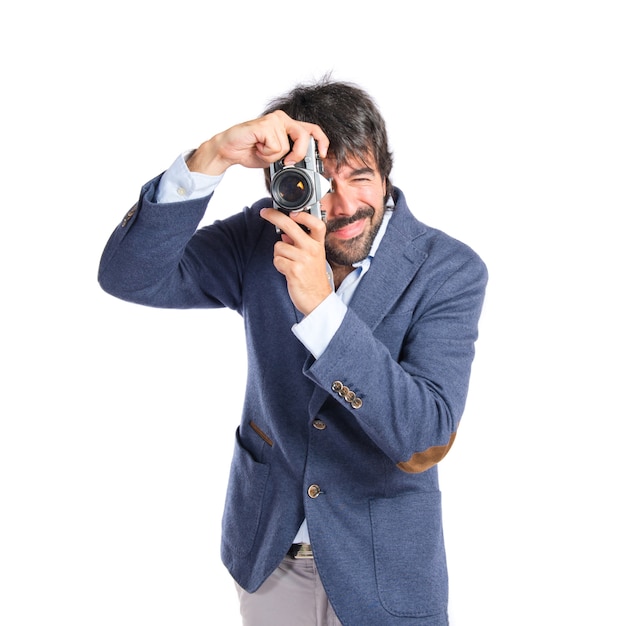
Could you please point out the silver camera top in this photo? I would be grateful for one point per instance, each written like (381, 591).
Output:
(299, 187)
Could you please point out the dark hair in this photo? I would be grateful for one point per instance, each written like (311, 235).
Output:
(347, 114)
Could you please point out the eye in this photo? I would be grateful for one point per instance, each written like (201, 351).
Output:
(362, 176)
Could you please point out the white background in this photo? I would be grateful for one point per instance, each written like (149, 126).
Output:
(508, 127)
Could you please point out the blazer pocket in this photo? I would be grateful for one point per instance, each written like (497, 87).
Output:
(409, 554)
(257, 429)
(244, 499)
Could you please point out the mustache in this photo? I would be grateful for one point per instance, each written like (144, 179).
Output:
(340, 222)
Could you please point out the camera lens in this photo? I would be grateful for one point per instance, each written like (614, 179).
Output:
(291, 189)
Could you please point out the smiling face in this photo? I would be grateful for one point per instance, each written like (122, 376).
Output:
(354, 209)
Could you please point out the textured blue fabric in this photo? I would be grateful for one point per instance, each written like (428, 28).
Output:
(405, 348)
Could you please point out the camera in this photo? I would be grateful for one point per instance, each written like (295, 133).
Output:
(299, 187)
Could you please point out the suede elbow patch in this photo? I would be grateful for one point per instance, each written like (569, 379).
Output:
(422, 461)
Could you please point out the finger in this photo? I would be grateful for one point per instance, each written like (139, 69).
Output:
(322, 140)
(315, 226)
(272, 145)
(291, 229)
(286, 239)
(300, 133)
(279, 219)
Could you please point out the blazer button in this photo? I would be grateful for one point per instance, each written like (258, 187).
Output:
(314, 491)
(319, 424)
(129, 215)
(337, 386)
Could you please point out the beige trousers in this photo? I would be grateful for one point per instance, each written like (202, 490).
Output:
(292, 596)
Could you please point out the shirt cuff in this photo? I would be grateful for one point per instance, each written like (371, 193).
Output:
(178, 183)
(317, 329)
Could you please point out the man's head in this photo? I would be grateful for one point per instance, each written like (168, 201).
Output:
(349, 117)
(358, 161)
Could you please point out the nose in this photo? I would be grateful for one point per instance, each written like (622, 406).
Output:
(338, 202)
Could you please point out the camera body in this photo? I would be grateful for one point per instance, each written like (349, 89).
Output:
(299, 187)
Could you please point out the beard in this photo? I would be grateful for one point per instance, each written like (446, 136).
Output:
(356, 249)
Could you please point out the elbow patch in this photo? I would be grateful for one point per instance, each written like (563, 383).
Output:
(422, 461)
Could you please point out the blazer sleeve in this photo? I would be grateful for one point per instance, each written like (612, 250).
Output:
(157, 256)
(410, 403)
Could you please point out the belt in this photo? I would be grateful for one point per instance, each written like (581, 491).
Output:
(300, 551)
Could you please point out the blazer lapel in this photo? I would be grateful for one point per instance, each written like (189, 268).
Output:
(397, 260)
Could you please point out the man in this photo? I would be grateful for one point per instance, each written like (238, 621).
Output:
(356, 385)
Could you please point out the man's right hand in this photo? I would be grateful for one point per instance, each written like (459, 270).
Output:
(256, 144)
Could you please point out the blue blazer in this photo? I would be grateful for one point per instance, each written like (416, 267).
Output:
(350, 440)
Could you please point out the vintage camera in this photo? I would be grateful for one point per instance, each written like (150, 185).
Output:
(299, 187)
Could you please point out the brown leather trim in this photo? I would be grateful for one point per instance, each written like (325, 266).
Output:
(422, 461)
(261, 434)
